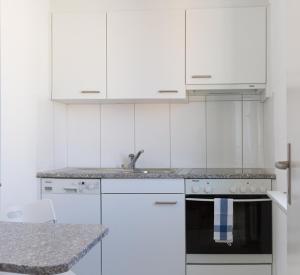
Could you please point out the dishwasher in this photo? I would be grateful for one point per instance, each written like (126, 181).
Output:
(77, 201)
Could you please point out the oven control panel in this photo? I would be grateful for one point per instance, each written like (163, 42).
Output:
(228, 186)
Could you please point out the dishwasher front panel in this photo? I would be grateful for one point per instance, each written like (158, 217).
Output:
(77, 207)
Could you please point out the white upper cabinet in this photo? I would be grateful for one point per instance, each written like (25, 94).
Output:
(226, 46)
(79, 56)
(146, 54)
(158, 54)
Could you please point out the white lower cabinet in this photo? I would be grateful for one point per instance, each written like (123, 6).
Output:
(146, 234)
(229, 269)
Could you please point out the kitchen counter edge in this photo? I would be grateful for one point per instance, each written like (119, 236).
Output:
(79, 173)
(65, 263)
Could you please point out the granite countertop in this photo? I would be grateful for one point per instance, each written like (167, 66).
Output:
(153, 173)
(45, 248)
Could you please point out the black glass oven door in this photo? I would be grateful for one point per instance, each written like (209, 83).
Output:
(252, 226)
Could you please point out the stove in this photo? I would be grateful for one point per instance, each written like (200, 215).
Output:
(252, 226)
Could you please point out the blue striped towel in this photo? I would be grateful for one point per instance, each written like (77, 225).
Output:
(223, 220)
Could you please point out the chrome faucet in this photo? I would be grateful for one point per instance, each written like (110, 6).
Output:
(133, 159)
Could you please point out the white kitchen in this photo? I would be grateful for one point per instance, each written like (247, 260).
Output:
(149, 137)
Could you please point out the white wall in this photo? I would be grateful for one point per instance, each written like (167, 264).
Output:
(269, 158)
(38, 135)
(218, 132)
(24, 92)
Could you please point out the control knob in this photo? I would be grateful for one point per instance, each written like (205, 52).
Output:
(195, 188)
(208, 189)
(263, 189)
(243, 189)
(233, 189)
(90, 186)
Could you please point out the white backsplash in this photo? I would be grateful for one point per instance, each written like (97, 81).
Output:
(83, 135)
(253, 134)
(188, 135)
(117, 134)
(213, 133)
(224, 134)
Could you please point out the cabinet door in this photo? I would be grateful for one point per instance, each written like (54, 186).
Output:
(146, 54)
(146, 235)
(80, 209)
(226, 46)
(229, 269)
(79, 56)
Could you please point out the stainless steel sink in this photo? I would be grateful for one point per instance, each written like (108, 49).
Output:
(149, 171)
(129, 171)
(101, 170)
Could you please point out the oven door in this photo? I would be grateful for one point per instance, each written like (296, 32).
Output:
(252, 230)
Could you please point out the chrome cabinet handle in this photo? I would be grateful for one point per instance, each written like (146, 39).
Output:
(165, 202)
(90, 92)
(74, 190)
(236, 200)
(286, 165)
(202, 76)
(167, 91)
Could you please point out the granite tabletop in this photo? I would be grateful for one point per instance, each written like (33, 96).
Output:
(45, 248)
(154, 173)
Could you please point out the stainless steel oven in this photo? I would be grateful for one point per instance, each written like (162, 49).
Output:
(252, 226)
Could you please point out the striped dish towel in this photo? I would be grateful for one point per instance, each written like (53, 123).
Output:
(223, 220)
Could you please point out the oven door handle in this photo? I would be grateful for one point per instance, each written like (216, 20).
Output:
(235, 200)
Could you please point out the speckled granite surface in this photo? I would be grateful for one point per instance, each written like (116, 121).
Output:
(45, 248)
(152, 173)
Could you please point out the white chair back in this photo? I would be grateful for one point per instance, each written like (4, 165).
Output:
(41, 211)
